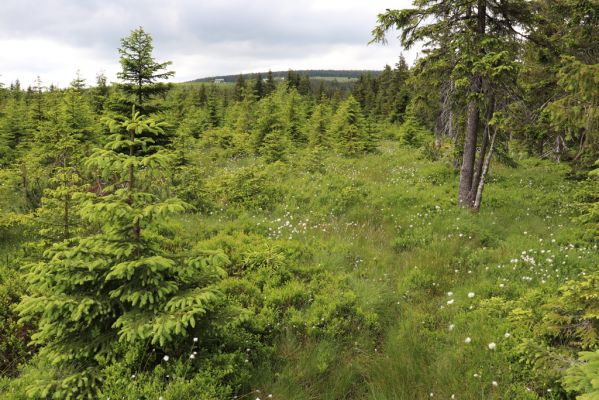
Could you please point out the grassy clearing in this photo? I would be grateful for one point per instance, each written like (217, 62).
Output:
(365, 280)
(389, 222)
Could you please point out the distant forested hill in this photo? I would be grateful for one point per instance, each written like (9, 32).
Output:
(327, 74)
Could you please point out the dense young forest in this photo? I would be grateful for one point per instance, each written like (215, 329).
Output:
(429, 231)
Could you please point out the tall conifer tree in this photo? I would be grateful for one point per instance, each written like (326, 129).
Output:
(141, 73)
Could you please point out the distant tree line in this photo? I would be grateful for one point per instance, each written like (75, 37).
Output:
(312, 73)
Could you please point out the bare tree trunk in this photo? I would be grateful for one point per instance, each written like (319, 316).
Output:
(483, 176)
(450, 129)
(483, 151)
(444, 123)
(467, 169)
(558, 148)
(24, 179)
(438, 131)
(581, 146)
(468, 158)
(479, 165)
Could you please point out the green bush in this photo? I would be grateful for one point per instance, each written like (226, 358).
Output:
(251, 187)
(583, 377)
(14, 336)
(412, 134)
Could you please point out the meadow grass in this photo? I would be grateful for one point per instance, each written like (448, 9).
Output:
(382, 234)
(390, 222)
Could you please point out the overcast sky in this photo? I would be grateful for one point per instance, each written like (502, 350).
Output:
(55, 38)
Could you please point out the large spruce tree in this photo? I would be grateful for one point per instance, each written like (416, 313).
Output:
(474, 37)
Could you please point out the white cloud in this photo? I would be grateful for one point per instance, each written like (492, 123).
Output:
(54, 38)
(54, 62)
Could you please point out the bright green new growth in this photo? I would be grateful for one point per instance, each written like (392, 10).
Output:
(582, 377)
(317, 126)
(119, 283)
(348, 129)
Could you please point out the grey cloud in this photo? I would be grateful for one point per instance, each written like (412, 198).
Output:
(248, 30)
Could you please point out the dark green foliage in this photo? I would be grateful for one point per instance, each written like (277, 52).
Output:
(269, 85)
(582, 376)
(15, 129)
(140, 72)
(118, 284)
(100, 93)
(294, 120)
(318, 126)
(212, 109)
(240, 87)
(412, 133)
(259, 89)
(274, 147)
(269, 121)
(293, 79)
(250, 187)
(14, 336)
(577, 112)
(349, 130)
(587, 204)
(386, 95)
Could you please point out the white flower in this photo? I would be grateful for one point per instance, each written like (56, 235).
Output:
(192, 356)
(450, 294)
(470, 295)
(451, 326)
(467, 340)
(165, 358)
(494, 383)
(195, 339)
(501, 285)
(492, 346)
(507, 335)
(449, 302)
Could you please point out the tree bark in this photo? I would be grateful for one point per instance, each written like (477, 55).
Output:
(479, 165)
(438, 132)
(481, 183)
(558, 148)
(483, 150)
(467, 169)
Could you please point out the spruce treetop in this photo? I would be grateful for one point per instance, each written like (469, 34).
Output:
(140, 71)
